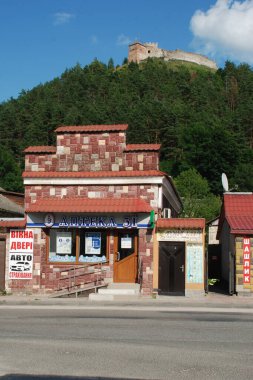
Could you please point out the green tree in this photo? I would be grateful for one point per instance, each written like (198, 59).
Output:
(10, 173)
(198, 201)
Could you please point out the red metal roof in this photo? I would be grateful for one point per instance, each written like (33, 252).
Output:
(13, 223)
(102, 174)
(238, 211)
(192, 223)
(92, 128)
(142, 147)
(40, 149)
(238, 204)
(90, 205)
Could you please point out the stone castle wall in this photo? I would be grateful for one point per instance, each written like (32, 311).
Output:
(139, 52)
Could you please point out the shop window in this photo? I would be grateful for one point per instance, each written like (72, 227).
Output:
(77, 246)
(62, 246)
(93, 246)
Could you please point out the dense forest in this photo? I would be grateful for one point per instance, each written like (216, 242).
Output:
(202, 118)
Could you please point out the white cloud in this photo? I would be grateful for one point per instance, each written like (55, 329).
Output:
(123, 40)
(62, 18)
(225, 30)
(94, 40)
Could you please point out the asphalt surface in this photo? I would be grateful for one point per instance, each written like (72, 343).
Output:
(126, 344)
(207, 302)
(43, 338)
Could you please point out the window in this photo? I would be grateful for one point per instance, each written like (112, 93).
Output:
(93, 246)
(77, 246)
(62, 246)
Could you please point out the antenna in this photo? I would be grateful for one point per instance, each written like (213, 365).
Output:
(224, 181)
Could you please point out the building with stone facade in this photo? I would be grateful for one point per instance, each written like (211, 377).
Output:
(139, 52)
(235, 233)
(100, 212)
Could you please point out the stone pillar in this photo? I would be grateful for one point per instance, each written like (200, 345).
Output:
(146, 261)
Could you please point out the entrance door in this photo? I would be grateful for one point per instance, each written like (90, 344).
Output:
(125, 257)
(2, 263)
(171, 268)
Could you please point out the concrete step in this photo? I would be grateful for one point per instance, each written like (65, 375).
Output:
(100, 297)
(123, 289)
(123, 285)
(113, 297)
(117, 291)
(125, 292)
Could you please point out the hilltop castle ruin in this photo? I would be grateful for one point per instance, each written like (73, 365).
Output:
(140, 51)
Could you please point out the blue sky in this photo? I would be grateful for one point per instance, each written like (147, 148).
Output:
(41, 38)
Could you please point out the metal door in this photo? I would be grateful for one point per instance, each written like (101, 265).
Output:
(171, 268)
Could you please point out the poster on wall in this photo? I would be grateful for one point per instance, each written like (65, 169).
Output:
(21, 254)
(194, 264)
(93, 243)
(63, 243)
(126, 242)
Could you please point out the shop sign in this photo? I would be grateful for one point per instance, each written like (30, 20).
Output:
(71, 220)
(180, 235)
(97, 222)
(21, 254)
(246, 260)
(194, 264)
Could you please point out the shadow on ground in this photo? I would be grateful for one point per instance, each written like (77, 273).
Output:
(219, 288)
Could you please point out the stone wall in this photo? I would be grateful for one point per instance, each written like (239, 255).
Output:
(147, 192)
(146, 261)
(139, 52)
(90, 153)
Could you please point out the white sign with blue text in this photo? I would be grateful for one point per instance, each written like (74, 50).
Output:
(93, 243)
(71, 220)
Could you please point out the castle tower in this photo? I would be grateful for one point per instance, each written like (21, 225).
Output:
(137, 52)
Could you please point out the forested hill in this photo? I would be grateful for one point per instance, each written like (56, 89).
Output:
(204, 119)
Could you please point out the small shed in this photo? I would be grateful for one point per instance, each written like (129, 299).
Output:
(179, 257)
(235, 233)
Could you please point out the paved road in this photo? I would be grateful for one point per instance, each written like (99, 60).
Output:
(64, 343)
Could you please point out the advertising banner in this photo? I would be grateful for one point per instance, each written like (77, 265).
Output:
(21, 254)
(246, 260)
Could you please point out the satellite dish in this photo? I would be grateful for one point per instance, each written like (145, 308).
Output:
(224, 181)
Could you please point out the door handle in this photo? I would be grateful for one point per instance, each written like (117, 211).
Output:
(182, 268)
(118, 256)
